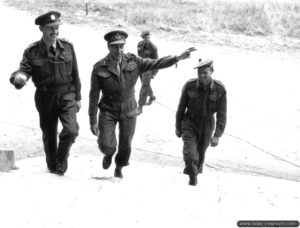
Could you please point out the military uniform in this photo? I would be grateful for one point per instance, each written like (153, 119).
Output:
(146, 50)
(58, 87)
(195, 119)
(117, 100)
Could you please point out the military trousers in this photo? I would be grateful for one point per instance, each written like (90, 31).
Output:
(107, 140)
(53, 107)
(196, 139)
(146, 90)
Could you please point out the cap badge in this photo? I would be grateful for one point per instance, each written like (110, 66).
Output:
(118, 37)
(52, 17)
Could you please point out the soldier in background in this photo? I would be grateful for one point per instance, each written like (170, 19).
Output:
(201, 98)
(146, 49)
(52, 65)
(115, 76)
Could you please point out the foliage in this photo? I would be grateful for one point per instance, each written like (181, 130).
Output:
(260, 18)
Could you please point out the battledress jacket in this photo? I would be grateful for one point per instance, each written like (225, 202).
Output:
(148, 50)
(118, 90)
(199, 106)
(51, 71)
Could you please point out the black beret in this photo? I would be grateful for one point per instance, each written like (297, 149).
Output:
(49, 18)
(145, 33)
(116, 37)
(204, 63)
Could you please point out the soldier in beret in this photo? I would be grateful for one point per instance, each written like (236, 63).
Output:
(146, 49)
(115, 76)
(51, 64)
(201, 98)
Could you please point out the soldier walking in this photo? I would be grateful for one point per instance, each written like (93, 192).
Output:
(115, 76)
(201, 98)
(146, 49)
(52, 65)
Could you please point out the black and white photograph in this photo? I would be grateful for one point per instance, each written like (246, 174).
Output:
(149, 113)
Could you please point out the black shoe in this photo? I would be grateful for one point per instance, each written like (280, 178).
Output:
(118, 172)
(51, 168)
(151, 99)
(61, 168)
(193, 180)
(185, 171)
(200, 170)
(106, 162)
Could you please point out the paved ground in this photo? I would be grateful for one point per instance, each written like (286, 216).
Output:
(148, 196)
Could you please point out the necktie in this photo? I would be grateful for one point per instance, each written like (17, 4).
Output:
(52, 50)
(118, 68)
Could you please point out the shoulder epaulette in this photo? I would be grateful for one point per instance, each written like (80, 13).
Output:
(192, 80)
(101, 62)
(153, 45)
(130, 55)
(32, 45)
(65, 40)
(219, 83)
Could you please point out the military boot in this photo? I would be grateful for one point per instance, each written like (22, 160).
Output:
(106, 162)
(61, 167)
(118, 172)
(193, 180)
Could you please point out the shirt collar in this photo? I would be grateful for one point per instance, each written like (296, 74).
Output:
(211, 86)
(44, 48)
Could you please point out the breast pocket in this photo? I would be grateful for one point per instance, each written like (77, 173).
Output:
(194, 102)
(131, 74)
(107, 81)
(41, 70)
(212, 103)
(193, 95)
(64, 64)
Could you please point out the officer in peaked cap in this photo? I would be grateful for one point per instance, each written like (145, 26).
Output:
(116, 37)
(49, 18)
(52, 65)
(115, 76)
(201, 98)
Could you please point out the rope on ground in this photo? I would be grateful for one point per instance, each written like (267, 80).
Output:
(161, 154)
(230, 135)
(244, 141)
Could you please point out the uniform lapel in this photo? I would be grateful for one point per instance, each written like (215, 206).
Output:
(112, 68)
(123, 63)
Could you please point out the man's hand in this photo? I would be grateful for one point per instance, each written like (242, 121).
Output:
(78, 104)
(214, 141)
(186, 54)
(178, 133)
(19, 80)
(94, 129)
